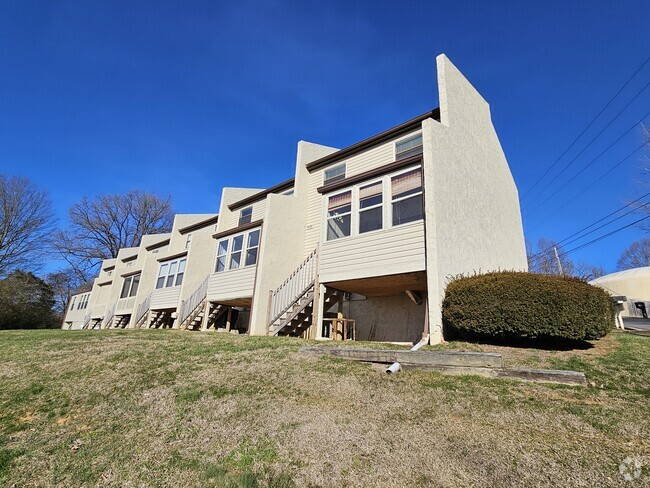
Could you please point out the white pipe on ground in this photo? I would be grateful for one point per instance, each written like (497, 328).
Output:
(395, 367)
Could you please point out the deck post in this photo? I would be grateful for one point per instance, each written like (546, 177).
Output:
(315, 331)
(228, 318)
(206, 315)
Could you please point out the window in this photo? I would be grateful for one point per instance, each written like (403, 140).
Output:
(83, 302)
(408, 147)
(171, 273)
(339, 215)
(331, 175)
(238, 251)
(370, 207)
(130, 286)
(245, 216)
(251, 247)
(188, 241)
(72, 303)
(406, 191)
(235, 253)
(222, 255)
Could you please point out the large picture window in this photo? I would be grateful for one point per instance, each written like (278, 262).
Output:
(130, 286)
(406, 191)
(339, 215)
(171, 273)
(394, 199)
(238, 251)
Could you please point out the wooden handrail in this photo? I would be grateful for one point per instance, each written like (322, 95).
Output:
(298, 282)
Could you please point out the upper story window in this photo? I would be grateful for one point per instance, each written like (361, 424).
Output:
(238, 251)
(130, 286)
(408, 147)
(392, 200)
(339, 215)
(245, 216)
(72, 303)
(334, 174)
(188, 241)
(406, 191)
(171, 273)
(83, 302)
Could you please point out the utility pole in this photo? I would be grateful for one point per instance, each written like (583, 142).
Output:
(559, 263)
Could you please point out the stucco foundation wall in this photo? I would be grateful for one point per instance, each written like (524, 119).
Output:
(395, 319)
(473, 220)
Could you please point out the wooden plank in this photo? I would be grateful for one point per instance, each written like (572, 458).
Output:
(411, 358)
(543, 375)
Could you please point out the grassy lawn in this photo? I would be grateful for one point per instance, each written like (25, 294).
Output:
(161, 408)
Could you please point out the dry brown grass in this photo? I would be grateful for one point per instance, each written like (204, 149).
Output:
(167, 408)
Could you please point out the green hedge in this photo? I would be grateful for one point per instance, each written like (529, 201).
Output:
(525, 305)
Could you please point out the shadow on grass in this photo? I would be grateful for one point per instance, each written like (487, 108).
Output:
(541, 343)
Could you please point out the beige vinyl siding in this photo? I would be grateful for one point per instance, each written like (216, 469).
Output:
(165, 298)
(391, 251)
(229, 285)
(360, 163)
(125, 305)
(231, 220)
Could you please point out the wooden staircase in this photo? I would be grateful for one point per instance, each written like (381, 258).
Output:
(292, 303)
(143, 313)
(195, 320)
(121, 322)
(161, 319)
(108, 320)
(300, 316)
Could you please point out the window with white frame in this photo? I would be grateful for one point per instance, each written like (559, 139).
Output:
(188, 241)
(371, 214)
(72, 303)
(238, 251)
(393, 200)
(245, 216)
(408, 147)
(130, 286)
(406, 194)
(339, 215)
(332, 175)
(171, 273)
(83, 302)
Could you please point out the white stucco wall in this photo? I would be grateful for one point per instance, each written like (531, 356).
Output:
(472, 215)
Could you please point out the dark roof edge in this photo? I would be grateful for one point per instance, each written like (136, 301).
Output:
(285, 185)
(156, 245)
(396, 131)
(130, 258)
(380, 171)
(237, 229)
(199, 225)
(172, 256)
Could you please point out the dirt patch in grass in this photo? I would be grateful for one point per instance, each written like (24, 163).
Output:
(161, 408)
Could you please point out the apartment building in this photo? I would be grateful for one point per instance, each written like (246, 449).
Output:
(359, 243)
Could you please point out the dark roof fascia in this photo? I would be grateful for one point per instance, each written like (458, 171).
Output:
(238, 229)
(162, 243)
(285, 185)
(135, 272)
(129, 258)
(199, 225)
(108, 268)
(108, 282)
(380, 138)
(380, 171)
(172, 256)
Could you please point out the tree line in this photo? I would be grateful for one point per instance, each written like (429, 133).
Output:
(30, 238)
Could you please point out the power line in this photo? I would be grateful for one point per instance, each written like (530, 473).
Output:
(568, 165)
(563, 241)
(593, 161)
(604, 236)
(586, 128)
(585, 189)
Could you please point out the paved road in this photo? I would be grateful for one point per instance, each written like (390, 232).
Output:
(638, 324)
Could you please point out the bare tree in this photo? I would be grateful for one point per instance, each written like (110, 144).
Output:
(587, 271)
(26, 224)
(545, 260)
(635, 256)
(64, 284)
(99, 228)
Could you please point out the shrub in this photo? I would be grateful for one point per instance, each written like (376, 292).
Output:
(513, 305)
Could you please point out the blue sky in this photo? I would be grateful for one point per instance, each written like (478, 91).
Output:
(107, 96)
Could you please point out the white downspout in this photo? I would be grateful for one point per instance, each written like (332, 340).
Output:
(395, 367)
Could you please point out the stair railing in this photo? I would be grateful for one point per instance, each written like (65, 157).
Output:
(109, 317)
(86, 321)
(188, 306)
(143, 308)
(293, 287)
